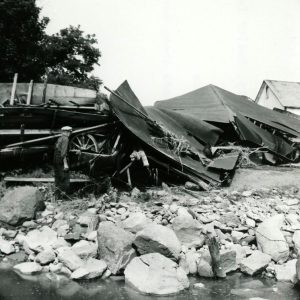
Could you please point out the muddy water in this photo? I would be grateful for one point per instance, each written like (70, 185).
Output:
(14, 286)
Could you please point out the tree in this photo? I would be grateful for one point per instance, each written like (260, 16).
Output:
(21, 38)
(70, 57)
(67, 57)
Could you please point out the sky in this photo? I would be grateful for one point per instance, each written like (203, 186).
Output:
(166, 48)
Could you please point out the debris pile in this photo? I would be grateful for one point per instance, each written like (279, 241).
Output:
(202, 136)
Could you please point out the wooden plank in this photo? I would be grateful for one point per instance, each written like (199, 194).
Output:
(27, 132)
(87, 129)
(46, 179)
(29, 94)
(13, 90)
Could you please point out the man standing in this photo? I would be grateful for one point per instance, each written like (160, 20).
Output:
(60, 162)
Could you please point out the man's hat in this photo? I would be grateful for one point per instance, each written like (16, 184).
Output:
(66, 128)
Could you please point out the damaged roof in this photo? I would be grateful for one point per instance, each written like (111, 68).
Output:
(214, 104)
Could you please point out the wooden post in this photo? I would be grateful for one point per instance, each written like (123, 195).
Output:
(13, 90)
(45, 89)
(29, 95)
(129, 177)
(215, 257)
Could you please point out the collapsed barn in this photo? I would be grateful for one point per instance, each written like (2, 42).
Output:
(202, 136)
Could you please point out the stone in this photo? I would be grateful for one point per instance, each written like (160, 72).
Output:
(115, 246)
(157, 238)
(92, 236)
(188, 231)
(240, 251)
(286, 272)
(85, 249)
(45, 257)
(236, 236)
(28, 267)
(29, 224)
(227, 263)
(80, 273)
(58, 223)
(6, 247)
(155, 274)
(11, 234)
(17, 258)
(192, 186)
(90, 220)
(250, 223)
(255, 263)
(296, 240)
(135, 193)
(135, 222)
(95, 268)
(69, 258)
(60, 242)
(20, 204)
(199, 285)
(270, 239)
(39, 240)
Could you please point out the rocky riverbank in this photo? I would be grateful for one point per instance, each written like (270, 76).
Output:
(157, 238)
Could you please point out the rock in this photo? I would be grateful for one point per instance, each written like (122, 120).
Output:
(20, 204)
(192, 186)
(199, 285)
(227, 263)
(85, 249)
(135, 222)
(29, 224)
(60, 242)
(255, 263)
(135, 193)
(247, 193)
(157, 238)
(80, 273)
(204, 267)
(28, 267)
(45, 257)
(250, 223)
(188, 262)
(291, 202)
(270, 239)
(240, 251)
(236, 236)
(69, 258)
(6, 247)
(155, 274)
(11, 234)
(89, 220)
(296, 240)
(188, 231)
(115, 246)
(58, 223)
(39, 240)
(92, 236)
(95, 268)
(286, 272)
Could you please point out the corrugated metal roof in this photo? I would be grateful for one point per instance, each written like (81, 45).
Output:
(287, 92)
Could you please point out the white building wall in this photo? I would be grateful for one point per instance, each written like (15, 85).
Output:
(295, 111)
(268, 99)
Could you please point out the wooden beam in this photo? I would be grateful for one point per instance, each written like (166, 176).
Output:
(13, 90)
(83, 130)
(46, 179)
(29, 95)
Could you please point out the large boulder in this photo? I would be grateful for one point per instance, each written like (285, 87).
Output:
(28, 267)
(287, 271)
(155, 274)
(6, 247)
(227, 263)
(135, 222)
(39, 240)
(69, 258)
(115, 246)
(93, 268)
(188, 230)
(157, 238)
(45, 257)
(270, 239)
(85, 249)
(255, 263)
(20, 204)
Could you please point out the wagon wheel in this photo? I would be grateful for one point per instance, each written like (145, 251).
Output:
(84, 142)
